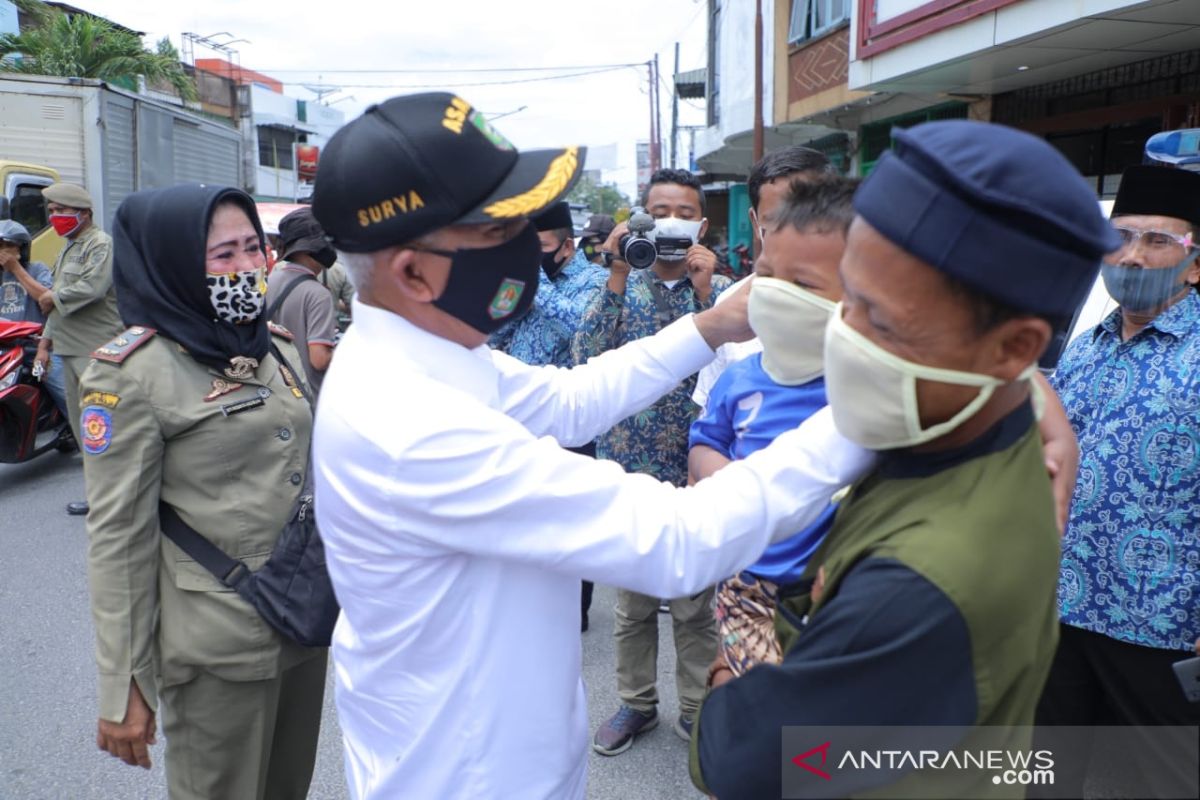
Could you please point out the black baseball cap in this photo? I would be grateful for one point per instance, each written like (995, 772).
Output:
(420, 162)
(599, 226)
(299, 232)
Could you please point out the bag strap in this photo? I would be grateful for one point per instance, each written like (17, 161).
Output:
(666, 315)
(275, 351)
(283, 295)
(228, 570)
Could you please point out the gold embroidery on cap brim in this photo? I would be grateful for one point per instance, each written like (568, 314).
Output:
(549, 187)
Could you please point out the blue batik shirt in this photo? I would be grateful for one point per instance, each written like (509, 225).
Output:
(1131, 553)
(543, 336)
(654, 441)
(746, 411)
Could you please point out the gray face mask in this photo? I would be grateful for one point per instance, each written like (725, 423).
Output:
(1138, 289)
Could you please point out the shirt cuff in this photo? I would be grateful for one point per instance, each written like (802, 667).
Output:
(114, 693)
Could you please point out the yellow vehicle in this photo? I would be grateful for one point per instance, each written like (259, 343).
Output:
(22, 201)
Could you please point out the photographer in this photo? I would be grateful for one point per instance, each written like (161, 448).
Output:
(637, 303)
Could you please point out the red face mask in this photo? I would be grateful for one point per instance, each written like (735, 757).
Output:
(65, 224)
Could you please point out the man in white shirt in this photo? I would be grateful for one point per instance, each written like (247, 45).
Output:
(456, 527)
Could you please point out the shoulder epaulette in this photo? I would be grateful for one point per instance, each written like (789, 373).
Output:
(119, 348)
(281, 331)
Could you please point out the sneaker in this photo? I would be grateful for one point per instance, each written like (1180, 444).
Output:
(683, 727)
(616, 734)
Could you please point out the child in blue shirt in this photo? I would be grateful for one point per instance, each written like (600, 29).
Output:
(795, 289)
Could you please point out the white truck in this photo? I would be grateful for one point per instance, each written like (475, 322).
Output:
(110, 141)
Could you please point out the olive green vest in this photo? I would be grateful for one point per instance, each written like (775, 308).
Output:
(983, 532)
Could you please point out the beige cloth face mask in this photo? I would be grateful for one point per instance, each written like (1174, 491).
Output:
(873, 393)
(791, 323)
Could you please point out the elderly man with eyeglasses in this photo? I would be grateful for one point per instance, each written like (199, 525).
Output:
(1129, 585)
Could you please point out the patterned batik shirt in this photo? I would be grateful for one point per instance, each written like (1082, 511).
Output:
(543, 336)
(1131, 553)
(656, 440)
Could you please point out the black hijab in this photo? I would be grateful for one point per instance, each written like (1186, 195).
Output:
(160, 238)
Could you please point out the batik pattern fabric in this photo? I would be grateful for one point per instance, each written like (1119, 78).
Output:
(655, 441)
(745, 614)
(543, 336)
(1131, 552)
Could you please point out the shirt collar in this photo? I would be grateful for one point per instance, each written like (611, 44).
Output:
(1179, 320)
(572, 267)
(652, 276)
(1001, 436)
(440, 359)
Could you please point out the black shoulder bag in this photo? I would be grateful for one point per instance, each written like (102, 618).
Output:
(291, 591)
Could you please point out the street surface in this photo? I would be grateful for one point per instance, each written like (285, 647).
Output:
(47, 694)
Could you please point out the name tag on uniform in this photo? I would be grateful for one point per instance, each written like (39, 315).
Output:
(245, 405)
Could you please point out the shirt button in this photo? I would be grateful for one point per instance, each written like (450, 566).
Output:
(264, 392)
(284, 434)
(296, 478)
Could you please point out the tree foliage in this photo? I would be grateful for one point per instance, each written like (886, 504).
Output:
(602, 198)
(80, 46)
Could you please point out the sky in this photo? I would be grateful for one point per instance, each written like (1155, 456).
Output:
(303, 42)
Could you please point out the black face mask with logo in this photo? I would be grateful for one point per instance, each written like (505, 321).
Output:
(491, 286)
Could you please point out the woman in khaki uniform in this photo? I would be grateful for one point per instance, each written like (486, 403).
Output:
(190, 407)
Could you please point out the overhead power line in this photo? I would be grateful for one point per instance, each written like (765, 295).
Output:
(448, 70)
(456, 85)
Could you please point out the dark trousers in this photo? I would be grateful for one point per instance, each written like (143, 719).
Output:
(1096, 680)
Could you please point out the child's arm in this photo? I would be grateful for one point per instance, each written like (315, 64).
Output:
(711, 437)
(704, 461)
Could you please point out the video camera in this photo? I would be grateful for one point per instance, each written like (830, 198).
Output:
(640, 249)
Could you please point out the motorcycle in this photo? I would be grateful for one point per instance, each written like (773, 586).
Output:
(30, 423)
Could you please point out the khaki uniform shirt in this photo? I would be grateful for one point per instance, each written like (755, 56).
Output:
(338, 283)
(85, 306)
(231, 460)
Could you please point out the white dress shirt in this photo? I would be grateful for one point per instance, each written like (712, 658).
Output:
(457, 531)
(727, 354)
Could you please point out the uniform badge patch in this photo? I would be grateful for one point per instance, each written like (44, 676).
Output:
(507, 296)
(220, 387)
(106, 399)
(95, 426)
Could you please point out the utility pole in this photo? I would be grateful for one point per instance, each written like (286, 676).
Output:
(655, 119)
(675, 111)
(758, 81)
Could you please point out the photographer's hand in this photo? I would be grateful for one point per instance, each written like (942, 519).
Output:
(618, 270)
(700, 265)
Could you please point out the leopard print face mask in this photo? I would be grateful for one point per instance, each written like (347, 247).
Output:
(237, 297)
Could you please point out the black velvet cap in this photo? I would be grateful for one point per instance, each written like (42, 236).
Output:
(1159, 192)
(556, 217)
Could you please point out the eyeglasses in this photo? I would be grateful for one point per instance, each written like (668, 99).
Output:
(1153, 240)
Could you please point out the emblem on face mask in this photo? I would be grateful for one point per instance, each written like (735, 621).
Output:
(507, 296)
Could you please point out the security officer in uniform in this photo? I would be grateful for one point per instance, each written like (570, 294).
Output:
(193, 407)
(81, 309)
